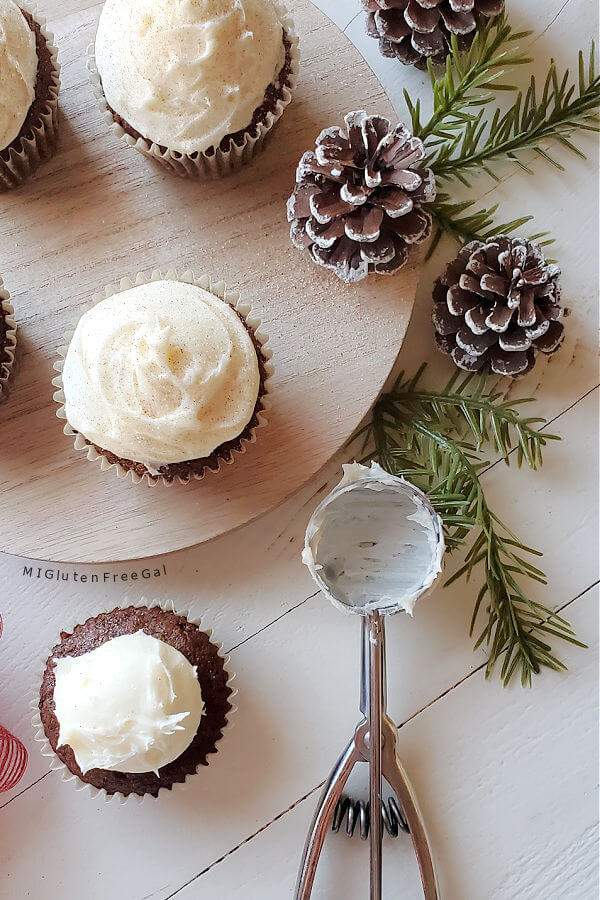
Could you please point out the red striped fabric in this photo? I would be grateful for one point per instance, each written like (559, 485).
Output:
(13, 756)
(13, 760)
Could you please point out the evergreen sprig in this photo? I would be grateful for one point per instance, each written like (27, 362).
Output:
(463, 136)
(532, 120)
(468, 81)
(435, 439)
(462, 221)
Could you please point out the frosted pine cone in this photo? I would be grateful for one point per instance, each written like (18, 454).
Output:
(497, 304)
(357, 202)
(418, 30)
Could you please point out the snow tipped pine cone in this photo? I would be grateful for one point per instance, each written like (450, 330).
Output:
(417, 30)
(496, 304)
(357, 204)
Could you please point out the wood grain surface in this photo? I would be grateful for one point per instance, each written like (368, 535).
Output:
(99, 211)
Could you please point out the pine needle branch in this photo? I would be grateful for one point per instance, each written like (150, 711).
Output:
(469, 79)
(464, 223)
(463, 136)
(564, 107)
(435, 439)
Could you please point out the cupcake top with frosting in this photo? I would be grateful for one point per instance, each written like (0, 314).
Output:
(18, 71)
(133, 704)
(186, 73)
(161, 373)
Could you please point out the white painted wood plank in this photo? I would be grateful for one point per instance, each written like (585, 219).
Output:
(497, 773)
(287, 732)
(563, 203)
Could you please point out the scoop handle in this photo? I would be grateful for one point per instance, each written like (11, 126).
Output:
(400, 784)
(373, 643)
(322, 818)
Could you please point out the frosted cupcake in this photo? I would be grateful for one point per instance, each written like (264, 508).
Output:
(165, 379)
(195, 85)
(29, 85)
(134, 700)
(8, 338)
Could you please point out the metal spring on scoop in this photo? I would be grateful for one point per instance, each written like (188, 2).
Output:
(357, 812)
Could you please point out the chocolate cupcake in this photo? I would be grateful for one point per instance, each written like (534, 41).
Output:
(29, 85)
(195, 86)
(133, 700)
(8, 338)
(164, 380)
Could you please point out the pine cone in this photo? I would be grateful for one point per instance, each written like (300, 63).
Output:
(496, 304)
(357, 201)
(417, 30)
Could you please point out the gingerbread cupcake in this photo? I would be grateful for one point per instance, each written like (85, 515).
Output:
(29, 85)
(166, 379)
(133, 701)
(195, 86)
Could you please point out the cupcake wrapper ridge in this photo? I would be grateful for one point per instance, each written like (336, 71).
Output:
(26, 157)
(120, 799)
(218, 163)
(10, 339)
(219, 289)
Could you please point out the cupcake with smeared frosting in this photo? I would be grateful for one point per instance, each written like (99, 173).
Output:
(29, 85)
(194, 84)
(165, 379)
(133, 700)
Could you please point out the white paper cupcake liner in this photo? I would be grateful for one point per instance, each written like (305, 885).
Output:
(119, 799)
(217, 162)
(219, 289)
(27, 153)
(10, 338)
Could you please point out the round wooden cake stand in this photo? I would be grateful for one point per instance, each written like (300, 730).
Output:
(99, 211)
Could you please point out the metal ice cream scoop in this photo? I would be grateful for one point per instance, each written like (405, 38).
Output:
(374, 545)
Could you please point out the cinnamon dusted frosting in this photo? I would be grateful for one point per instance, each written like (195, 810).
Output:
(18, 71)
(133, 704)
(186, 73)
(161, 373)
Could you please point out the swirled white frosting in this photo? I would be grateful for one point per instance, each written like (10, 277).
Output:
(133, 704)
(160, 373)
(185, 73)
(18, 71)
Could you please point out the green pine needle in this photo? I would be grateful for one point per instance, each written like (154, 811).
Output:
(435, 439)
(468, 80)
(531, 121)
(464, 137)
(464, 223)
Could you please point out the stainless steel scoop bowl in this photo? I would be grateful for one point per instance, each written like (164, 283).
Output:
(374, 545)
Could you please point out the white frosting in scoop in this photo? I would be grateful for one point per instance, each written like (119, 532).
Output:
(373, 543)
(18, 71)
(161, 373)
(185, 73)
(133, 704)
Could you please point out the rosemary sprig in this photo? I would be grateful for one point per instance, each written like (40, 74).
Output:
(435, 439)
